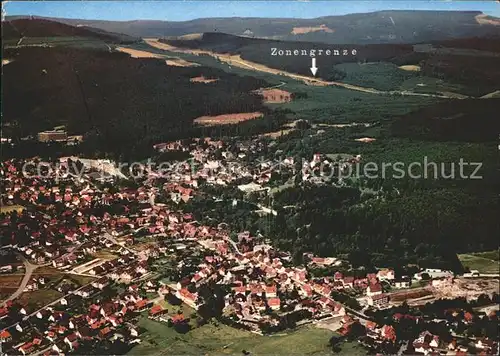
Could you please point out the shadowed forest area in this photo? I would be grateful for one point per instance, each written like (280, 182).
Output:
(121, 104)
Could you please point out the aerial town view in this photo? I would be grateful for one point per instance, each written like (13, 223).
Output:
(250, 178)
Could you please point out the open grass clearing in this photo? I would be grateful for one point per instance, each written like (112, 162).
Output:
(5, 209)
(480, 263)
(39, 298)
(219, 339)
(105, 255)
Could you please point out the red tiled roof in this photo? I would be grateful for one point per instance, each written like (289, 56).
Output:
(240, 289)
(348, 280)
(5, 334)
(105, 331)
(177, 318)
(187, 294)
(271, 289)
(26, 346)
(274, 302)
(141, 303)
(72, 337)
(157, 309)
(375, 287)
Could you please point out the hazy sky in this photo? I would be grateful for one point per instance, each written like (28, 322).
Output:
(188, 10)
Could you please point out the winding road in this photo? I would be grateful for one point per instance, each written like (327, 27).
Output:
(29, 269)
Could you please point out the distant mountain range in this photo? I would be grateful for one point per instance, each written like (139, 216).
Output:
(366, 28)
(472, 62)
(15, 29)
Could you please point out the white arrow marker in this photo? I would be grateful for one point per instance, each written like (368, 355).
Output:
(313, 68)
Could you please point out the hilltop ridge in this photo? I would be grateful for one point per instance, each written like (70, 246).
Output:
(15, 29)
(403, 26)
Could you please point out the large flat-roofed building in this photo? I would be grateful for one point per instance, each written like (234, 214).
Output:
(52, 135)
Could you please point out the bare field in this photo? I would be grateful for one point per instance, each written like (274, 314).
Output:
(410, 68)
(10, 282)
(202, 79)
(484, 20)
(105, 255)
(302, 30)
(469, 288)
(154, 42)
(136, 53)
(332, 324)
(191, 36)
(365, 139)
(410, 294)
(276, 134)
(227, 119)
(4, 209)
(177, 62)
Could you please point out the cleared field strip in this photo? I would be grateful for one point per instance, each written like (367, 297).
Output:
(481, 264)
(237, 61)
(137, 53)
(227, 119)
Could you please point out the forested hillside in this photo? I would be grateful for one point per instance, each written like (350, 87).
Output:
(404, 26)
(26, 27)
(454, 61)
(391, 220)
(259, 50)
(122, 103)
(470, 120)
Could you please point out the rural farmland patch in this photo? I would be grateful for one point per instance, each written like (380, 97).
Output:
(276, 134)
(202, 79)
(320, 28)
(227, 119)
(178, 62)
(5, 209)
(10, 282)
(410, 68)
(175, 62)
